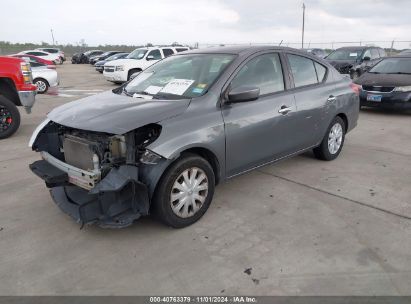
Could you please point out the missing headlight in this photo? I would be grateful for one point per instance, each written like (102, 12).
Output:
(150, 158)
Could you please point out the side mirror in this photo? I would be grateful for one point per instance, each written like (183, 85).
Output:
(243, 94)
(151, 57)
(366, 58)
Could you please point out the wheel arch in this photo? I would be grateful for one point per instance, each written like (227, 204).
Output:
(8, 90)
(345, 119)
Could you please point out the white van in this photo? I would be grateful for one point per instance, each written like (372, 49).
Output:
(121, 70)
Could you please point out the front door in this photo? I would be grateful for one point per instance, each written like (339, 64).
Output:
(261, 130)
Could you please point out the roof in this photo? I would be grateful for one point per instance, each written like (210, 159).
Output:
(240, 50)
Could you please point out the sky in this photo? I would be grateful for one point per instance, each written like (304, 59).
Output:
(136, 22)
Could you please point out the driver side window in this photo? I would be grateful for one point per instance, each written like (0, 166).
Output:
(264, 72)
(155, 54)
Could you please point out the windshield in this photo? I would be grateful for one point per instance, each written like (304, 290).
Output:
(137, 54)
(112, 57)
(345, 55)
(179, 76)
(393, 66)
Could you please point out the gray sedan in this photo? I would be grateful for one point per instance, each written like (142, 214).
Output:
(160, 143)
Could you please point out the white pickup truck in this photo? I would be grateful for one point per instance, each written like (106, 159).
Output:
(121, 70)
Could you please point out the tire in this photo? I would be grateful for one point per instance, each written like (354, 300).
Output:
(8, 110)
(174, 175)
(42, 85)
(326, 151)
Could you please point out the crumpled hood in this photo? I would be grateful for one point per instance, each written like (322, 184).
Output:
(387, 80)
(116, 114)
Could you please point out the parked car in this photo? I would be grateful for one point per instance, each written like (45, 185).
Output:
(99, 65)
(34, 59)
(103, 56)
(44, 78)
(317, 52)
(161, 142)
(387, 84)
(84, 57)
(54, 51)
(16, 90)
(355, 60)
(52, 57)
(121, 70)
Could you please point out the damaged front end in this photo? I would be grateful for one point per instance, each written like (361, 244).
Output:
(96, 177)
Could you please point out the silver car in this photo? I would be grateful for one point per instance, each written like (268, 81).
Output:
(44, 77)
(160, 143)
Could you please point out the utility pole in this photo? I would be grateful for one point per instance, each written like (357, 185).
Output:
(52, 35)
(302, 38)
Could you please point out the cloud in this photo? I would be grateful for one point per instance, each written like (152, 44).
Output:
(205, 21)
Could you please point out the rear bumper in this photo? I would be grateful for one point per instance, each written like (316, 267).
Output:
(115, 201)
(27, 99)
(391, 100)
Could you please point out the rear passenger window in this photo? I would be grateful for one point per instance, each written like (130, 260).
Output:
(168, 52)
(321, 70)
(303, 70)
(263, 72)
(181, 50)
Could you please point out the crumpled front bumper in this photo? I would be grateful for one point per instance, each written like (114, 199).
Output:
(27, 99)
(114, 202)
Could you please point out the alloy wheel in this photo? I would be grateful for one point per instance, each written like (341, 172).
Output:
(41, 86)
(6, 119)
(335, 138)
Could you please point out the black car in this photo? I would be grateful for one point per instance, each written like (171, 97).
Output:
(103, 56)
(85, 57)
(355, 60)
(317, 52)
(99, 65)
(387, 84)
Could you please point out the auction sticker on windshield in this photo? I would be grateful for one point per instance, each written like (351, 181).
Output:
(177, 86)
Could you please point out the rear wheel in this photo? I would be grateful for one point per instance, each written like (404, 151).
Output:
(184, 192)
(42, 85)
(9, 118)
(333, 141)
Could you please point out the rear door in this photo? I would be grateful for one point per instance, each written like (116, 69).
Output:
(313, 93)
(261, 130)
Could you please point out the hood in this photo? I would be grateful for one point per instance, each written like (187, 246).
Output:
(341, 63)
(115, 114)
(101, 62)
(122, 61)
(385, 80)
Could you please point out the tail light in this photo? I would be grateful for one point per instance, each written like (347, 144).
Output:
(26, 71)
(356, 88)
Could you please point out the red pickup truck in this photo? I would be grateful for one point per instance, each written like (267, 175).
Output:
(16, 89)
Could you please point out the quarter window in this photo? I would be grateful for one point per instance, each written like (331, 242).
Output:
(263, 72)
(303, 70)
(321, 71)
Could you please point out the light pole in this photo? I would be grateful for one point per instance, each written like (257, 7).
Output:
(52, 35)
(302, 38)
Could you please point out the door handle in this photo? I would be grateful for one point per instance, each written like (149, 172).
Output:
(331, 98)
(284, 110)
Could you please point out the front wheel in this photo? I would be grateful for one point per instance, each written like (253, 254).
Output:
(9, 118)
(332, 142)
(184, 192)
